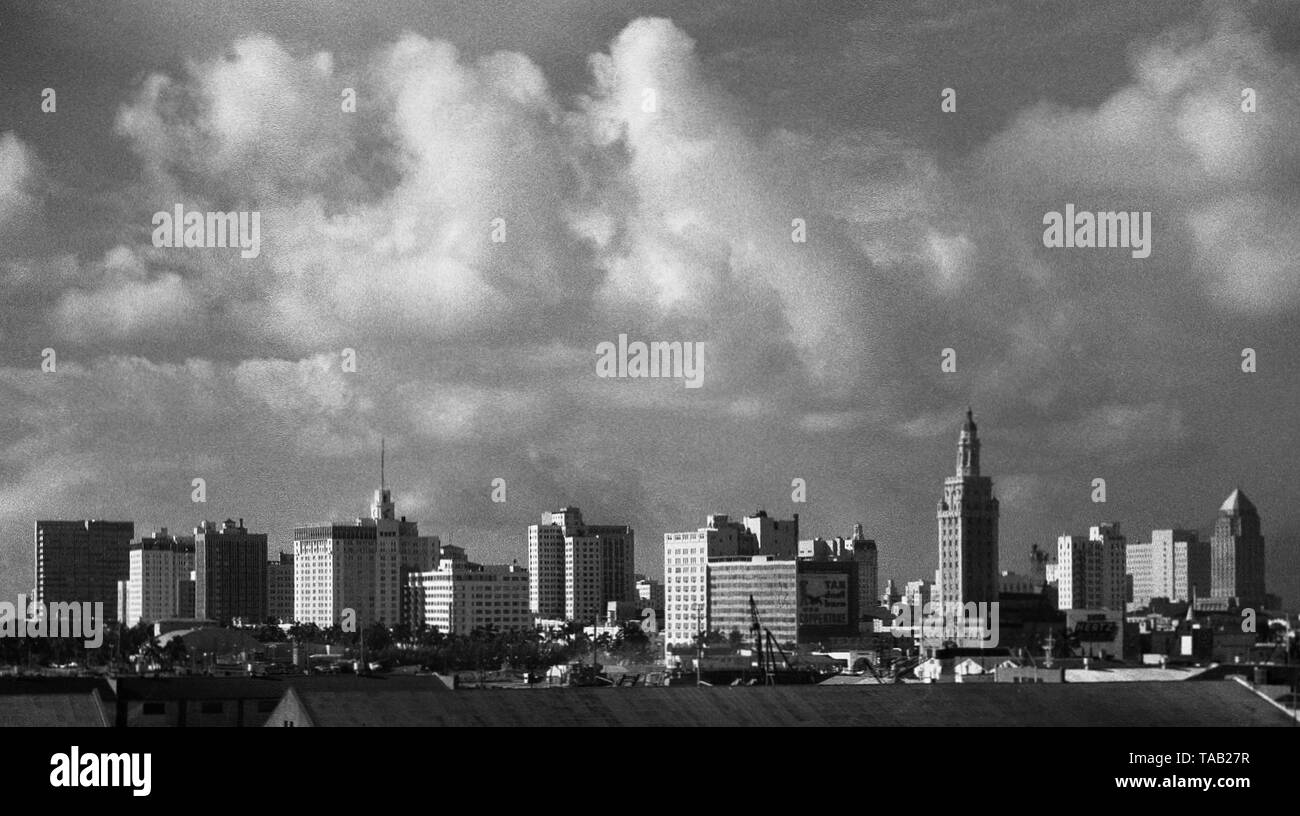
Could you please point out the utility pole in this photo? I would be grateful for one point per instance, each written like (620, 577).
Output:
(699, 640)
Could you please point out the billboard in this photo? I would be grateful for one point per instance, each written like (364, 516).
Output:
(824, 599)
(1096, 631)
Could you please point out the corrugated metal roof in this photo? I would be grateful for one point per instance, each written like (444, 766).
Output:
(257, 688)
(80, 709)
(1118, 704)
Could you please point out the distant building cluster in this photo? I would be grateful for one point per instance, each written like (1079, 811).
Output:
(720, 577)
(377, 570)
(728, 579)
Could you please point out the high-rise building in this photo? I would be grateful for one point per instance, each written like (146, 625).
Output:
(546, 569)
(363, 566)
(582, 578)
(576, 569)
(1148, 572)
(687, 559)
(865, 553)
(617, 544)
(161, 566)
(968, 529)
(798, 601)
(1090, 569)
(82, 561)
(461, 596)
(1237, 552)
(229, 573)
(1191, 565)
(686, 574)
(858, 549)
(279, 587)
(772, 582)
(1167, 566)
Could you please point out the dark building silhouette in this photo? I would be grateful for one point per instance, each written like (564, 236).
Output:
(229, 572)
(82, 561)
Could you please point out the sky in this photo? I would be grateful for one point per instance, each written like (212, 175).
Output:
(476, 359)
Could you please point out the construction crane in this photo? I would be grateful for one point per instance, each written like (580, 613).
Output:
(765, 648)
(871, 667)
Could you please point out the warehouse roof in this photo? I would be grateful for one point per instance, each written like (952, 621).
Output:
(1048, 704)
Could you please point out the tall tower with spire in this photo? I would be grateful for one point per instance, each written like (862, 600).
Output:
(864, 552)
(364, 567)
(382, 507)
(968, 528)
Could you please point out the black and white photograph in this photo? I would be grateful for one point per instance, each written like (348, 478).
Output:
(637, 363)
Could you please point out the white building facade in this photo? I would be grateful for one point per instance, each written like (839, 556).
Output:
(461, 596)
(363, 567)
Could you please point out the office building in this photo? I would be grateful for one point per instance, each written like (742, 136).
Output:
(546, 570)
(857, 548)
(968, 529)
(686, 559)
(576, 569)
(772, 582)
(617, 572)
(161, 581)
(1167, 566)
(461, 596)
(798, 601)
(82, 562)
(1192, 560)
(364, 566)
(1090, 569)
(229, 573)
(279, 587)
(1237, 552)
(778, 538)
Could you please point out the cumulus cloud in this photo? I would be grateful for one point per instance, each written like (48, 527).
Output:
(1219, 179)
(18, 172)
(644, 197)
(253, 125)
(123, 299)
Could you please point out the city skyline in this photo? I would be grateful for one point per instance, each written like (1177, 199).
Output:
(379, 304)
(968, 468)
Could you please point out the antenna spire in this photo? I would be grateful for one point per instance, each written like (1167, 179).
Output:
(381, 463)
